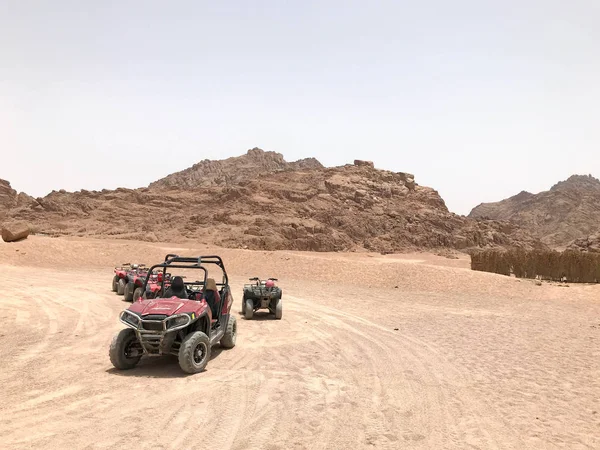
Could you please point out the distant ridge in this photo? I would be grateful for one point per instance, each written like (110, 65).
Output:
(569, 210)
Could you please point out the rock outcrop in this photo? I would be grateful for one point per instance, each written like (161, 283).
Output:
(587, 244)
(233, 171)
(569, 210)
(8, 197)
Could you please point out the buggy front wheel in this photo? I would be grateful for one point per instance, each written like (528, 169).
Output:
(115, 283)
(125, 351)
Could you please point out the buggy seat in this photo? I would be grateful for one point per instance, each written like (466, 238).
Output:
(212, 297)
(177, 289)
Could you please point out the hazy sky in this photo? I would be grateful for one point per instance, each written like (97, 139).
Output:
(479, 99)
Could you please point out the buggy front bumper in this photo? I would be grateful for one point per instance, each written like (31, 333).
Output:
(156, 336)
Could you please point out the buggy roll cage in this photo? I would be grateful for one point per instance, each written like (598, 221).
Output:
(173, 261)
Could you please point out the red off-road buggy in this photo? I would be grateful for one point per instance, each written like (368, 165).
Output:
(185, 320)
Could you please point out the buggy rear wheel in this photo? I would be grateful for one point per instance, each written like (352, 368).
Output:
(129, 288)
(121, 286)
(230, 336)
(278, 309)
(194, 352)
(115, 282)
(137, 294)
(124, 352)
(248, 309)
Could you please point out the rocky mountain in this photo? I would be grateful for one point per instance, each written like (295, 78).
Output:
(301, 205)
(233, 171)
(569, 210)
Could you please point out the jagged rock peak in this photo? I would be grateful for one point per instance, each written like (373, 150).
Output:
(235, 170)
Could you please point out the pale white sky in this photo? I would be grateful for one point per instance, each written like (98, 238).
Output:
(479, 99)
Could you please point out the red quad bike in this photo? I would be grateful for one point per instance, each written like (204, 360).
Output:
(186, 321)
(263, 294)
(135, 278)
(123, 274)
(120, 272)
(135, 287)
(135, 281)
(153, 287)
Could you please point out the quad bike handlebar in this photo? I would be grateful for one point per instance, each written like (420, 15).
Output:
(129, 265)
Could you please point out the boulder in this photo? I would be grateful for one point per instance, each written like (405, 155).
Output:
(15, 231)
(360, 162)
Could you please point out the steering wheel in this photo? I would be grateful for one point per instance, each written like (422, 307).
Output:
(193, 295)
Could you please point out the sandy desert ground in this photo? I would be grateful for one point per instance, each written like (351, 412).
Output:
(411, 351)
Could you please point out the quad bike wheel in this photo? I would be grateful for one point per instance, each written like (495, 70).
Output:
(121, 286)
(278, 309)
(129, 288)
(248, 309)
(230, 336)
(115, 283)
(194, 352)
(137, 294)
(124, 353)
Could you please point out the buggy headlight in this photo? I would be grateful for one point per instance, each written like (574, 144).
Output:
(130, 318)
(178, 321)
